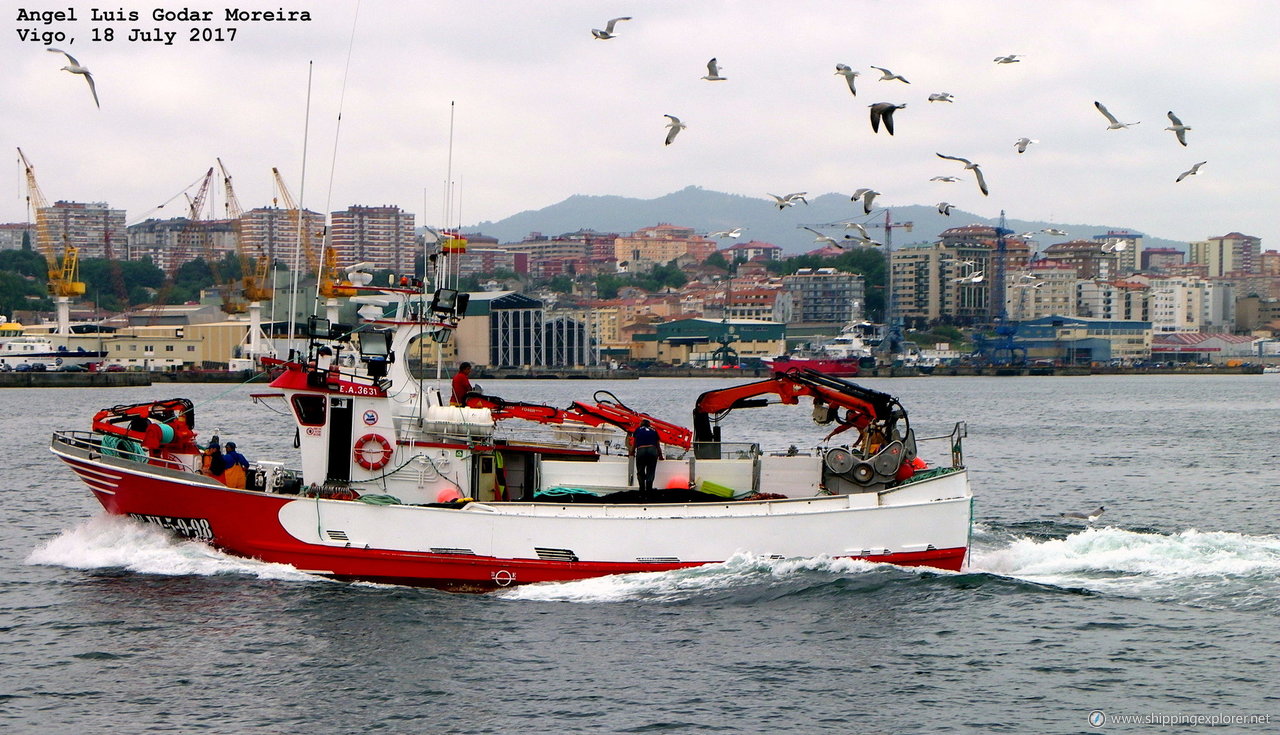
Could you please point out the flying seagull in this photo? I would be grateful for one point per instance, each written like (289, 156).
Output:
(1115, 124)
(888, 76)
(676, 126)
(971, 166)
(713, 72)
(1010, 59)
(1022, 143)
(849, 75)
(1054, 231)
(944, 208)
(883, 111)
(607, 33)
(735, 232)
(946, 179)
(1091, 516)
(790, 200)
(824, 238)
(1178, 128)
(75, 68)
(1190, 172)
(866, 195)
(941, 97)
(862, 231)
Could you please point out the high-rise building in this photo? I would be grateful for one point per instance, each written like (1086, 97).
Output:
(96, 230)
(825, 295)
(1160, 259)
(1043, 288)
(1230, 253)
(381, 236)
(273, 232)
(171, 242)
(12, 235)
(1127, 247)
(1091, 259)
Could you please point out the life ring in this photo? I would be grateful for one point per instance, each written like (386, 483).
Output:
(381, 457)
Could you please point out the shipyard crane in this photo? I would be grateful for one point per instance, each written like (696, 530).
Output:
(64, 268)
(324, 267)
(254, 270)
(192, 242)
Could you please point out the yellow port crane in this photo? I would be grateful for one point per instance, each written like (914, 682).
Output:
(64, 268)
(254, 271)
(328, 282)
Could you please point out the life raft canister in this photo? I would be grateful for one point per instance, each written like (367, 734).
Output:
(375, 457)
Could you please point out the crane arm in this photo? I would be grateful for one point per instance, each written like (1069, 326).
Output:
(590, 414)
(64, 270)
(789, 386)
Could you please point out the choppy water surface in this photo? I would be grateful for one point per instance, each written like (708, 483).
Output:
(1166, 605)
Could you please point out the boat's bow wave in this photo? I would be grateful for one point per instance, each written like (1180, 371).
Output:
(114, 542)
(1212, 568)
(743, 578)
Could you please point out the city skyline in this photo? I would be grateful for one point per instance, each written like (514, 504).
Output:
(545, 111)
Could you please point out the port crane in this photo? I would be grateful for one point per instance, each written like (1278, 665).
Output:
(330, 285)
(254, 288)
(254, 270)
(64, 267)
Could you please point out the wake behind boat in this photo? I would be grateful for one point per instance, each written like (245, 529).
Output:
(395, 485)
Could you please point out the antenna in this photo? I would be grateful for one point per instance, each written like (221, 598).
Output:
(302, 218)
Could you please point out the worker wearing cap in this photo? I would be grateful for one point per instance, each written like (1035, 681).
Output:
(234, 475)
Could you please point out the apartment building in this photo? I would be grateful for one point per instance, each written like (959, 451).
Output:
(381, 236)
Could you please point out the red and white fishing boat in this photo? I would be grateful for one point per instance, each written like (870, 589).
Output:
(395, 485)
(841, 356)
(841, 367)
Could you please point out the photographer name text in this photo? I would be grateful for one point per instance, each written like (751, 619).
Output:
(162, 25)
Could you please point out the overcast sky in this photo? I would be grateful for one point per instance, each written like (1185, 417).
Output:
(545, 111)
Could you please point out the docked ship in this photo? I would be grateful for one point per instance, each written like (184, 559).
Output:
(393, 484)
(26, 352)
(842, 355)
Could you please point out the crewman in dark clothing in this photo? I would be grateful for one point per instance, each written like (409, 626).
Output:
(648, 450)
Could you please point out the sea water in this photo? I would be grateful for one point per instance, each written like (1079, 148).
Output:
(1162, 612)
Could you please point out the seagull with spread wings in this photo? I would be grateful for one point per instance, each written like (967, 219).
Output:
(883, 111)
(713, 72)
(829, 240)
(790, 200)
(75, 68)
(888, 76)
(867, 196)
(970, 166)
(735, 232)
(607, 33)
(675, 127)
(849, 75)
(1115, 124)
(1178, 128)
(1190, 172)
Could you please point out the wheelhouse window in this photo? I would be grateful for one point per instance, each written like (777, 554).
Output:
(309, 409)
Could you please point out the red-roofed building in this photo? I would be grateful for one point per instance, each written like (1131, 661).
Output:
(1201, 347)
